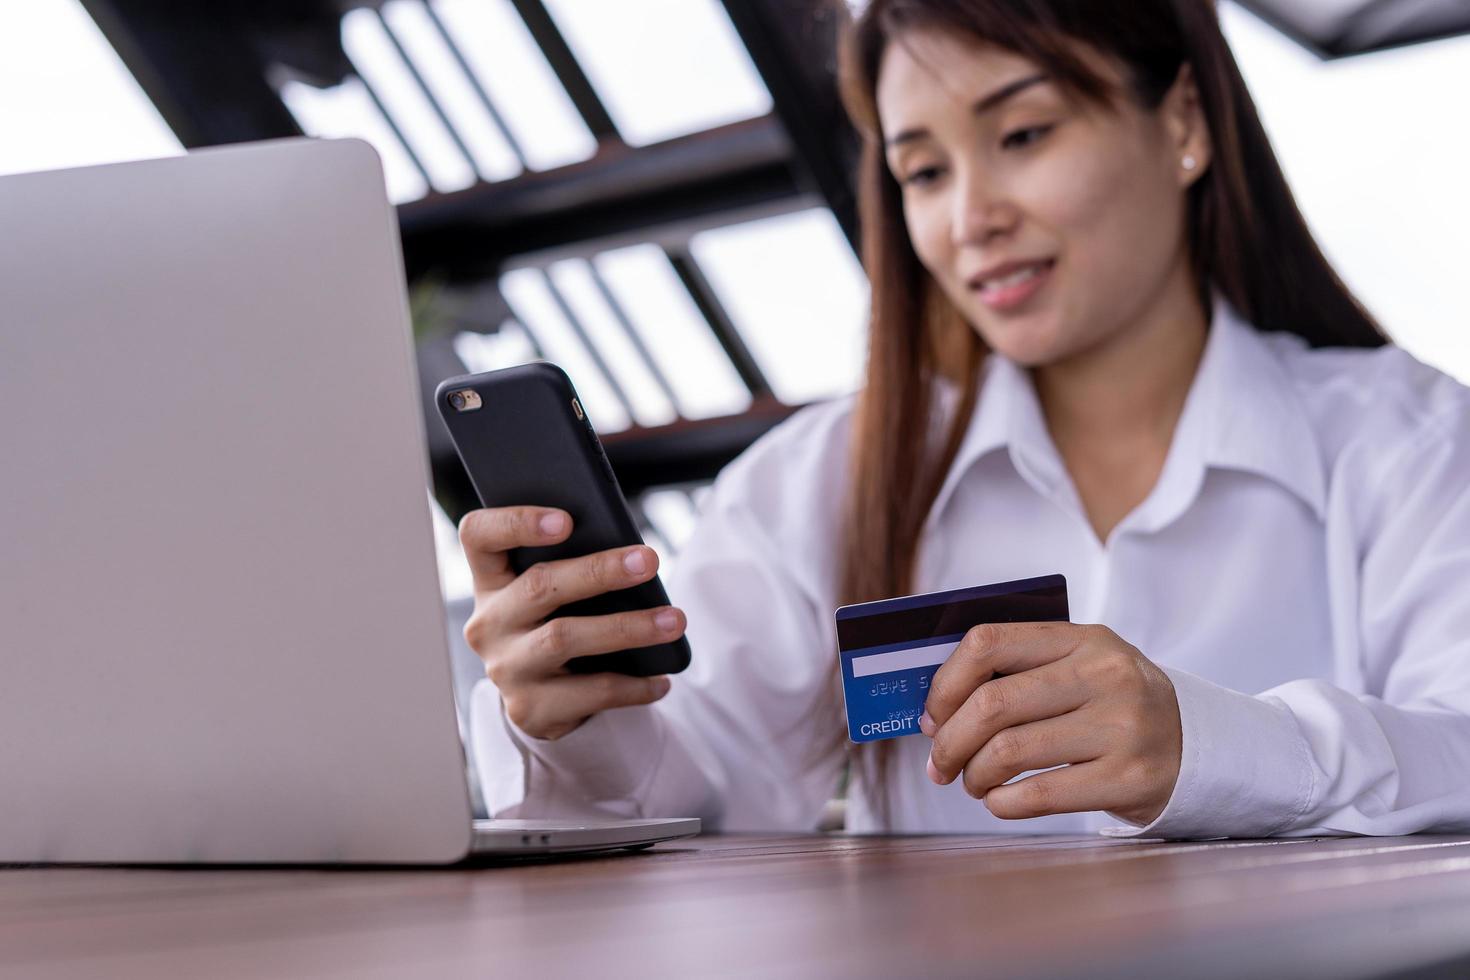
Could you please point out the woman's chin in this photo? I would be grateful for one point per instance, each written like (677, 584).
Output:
(1029, 347)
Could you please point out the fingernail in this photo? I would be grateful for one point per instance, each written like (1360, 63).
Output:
(926, 724)
(552, 524)
(635, 563)
(661, 686)
(668, 620)
(934, 773)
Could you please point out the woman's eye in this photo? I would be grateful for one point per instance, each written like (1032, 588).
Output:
(921, 176)
(1024, 137)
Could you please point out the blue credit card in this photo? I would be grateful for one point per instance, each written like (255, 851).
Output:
(891, 648)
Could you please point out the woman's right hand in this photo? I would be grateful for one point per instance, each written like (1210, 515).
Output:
(525, 652)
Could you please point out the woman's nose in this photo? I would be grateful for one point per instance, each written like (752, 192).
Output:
(981, 211)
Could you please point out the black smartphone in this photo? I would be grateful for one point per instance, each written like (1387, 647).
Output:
(525, 439)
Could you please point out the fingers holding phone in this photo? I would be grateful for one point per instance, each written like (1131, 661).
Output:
(570, 617)
(526, 649)
(548, 585)
(560, 704)
(488, 535)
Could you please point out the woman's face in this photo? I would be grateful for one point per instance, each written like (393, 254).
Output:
(1052, 224)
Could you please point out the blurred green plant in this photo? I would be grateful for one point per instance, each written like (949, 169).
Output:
(427, 307)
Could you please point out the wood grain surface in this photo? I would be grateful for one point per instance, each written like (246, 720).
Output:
(776, 906)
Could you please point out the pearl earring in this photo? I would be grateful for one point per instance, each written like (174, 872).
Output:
(1190, 163)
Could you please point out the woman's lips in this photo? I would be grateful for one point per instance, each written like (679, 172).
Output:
(1010, 291)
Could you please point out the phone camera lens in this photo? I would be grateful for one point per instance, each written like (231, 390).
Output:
(464, 400)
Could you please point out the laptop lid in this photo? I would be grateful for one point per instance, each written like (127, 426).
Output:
(221, 633)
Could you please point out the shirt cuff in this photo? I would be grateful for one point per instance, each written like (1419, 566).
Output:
(1244, 768)
(500, 763)
(608, 758)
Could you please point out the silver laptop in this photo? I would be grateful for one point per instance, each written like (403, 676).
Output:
(221, 632)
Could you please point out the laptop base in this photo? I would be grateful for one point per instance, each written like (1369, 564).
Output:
(521, 838)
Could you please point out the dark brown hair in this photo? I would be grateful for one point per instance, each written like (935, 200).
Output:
(1248, 241)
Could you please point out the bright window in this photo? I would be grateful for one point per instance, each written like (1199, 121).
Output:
(66, 99)
(1376, 148)
(798, 297)
(516, 76)
(663, 68)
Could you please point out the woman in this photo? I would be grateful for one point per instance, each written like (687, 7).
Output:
(1103, 343)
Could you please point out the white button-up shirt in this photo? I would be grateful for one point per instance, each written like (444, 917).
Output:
(1301, 571)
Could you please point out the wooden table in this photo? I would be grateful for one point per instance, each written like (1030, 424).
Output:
(776, 906)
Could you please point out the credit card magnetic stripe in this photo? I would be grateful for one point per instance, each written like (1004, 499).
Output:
(938, 614)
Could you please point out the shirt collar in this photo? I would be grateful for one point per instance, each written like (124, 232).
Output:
(1256, 422)
(1242, 413)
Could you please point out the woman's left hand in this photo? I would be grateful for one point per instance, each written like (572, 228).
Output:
(1014, 697)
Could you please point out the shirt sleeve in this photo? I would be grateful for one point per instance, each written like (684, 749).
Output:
(738, 740)
(1309, 757)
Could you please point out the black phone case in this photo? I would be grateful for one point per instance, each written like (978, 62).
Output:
(526, 445)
